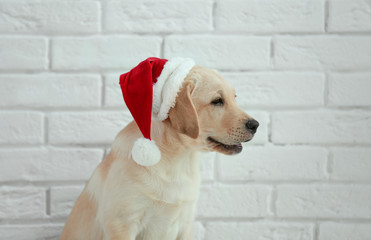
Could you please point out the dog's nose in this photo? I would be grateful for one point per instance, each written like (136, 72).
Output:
(252, 125)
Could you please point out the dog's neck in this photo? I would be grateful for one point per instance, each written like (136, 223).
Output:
(170, 141)
(177, 150)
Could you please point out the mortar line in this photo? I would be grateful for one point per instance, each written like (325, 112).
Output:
(327, 14)
(261, 183)
(316, 231)
(269, 109)
(48, 202)
(273, 201)
(272, 52)
(162, 48)
(49, 54)
(108, 145)
(223, 71)
(330, 163)
(100, 17)
(311, 220)
(103, 81)
(213, 13)
(326, 90)
(270, 123)
(192, 33)
(46, 128)
(202, 219)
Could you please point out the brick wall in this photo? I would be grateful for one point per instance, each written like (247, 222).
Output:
(302, 68)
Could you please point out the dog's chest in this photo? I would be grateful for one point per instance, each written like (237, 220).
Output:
(166, 221)
(178, 192)
(171, 207)
(177, 184)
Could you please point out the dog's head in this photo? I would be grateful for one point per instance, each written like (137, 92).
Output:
(206, 110)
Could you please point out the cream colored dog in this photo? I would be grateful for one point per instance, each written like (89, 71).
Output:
(123, 200)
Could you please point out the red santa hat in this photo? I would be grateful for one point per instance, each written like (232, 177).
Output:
(150, 90)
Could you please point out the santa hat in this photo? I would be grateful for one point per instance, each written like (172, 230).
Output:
(150, 90)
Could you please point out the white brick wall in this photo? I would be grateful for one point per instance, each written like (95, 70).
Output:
(349, 16)
(270, 16)
(34, 91)
(21, 127)
(323, 201)
(258, 230)
(49, 17)
(221, 52)
(322, 52)
(330, 231)
(23, 53)
(165, 16)
(302, 68)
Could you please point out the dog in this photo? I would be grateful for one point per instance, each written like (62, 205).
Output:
(124, 200)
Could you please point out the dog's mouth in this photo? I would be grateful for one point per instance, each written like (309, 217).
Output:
(225, 148)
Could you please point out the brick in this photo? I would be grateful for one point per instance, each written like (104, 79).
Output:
(324, 201)
(102, 52)
(270, 89)
(349, 89)
(221, 52)
(274, 163)
(49, 17)
(31, 232)
(62, 199)
(258, 230)
(233, 201)
(352, 164)
(50, 90)
(344, 231)
(162, 16)
(87, 127)
(349, 16)
(321, 126)
(48, 164)
(23, 53)
(270, 16)
(112, 92)
(21, 128)
(22, 202)
(322, 52)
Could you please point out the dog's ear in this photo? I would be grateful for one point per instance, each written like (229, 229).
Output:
(183, 116)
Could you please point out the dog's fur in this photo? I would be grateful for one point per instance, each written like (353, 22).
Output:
(123, 200)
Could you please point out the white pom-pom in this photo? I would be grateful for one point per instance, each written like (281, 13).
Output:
(145, 152)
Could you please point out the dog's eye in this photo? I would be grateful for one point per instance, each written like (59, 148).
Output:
(217, 102)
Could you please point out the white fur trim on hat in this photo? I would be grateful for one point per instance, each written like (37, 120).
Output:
(168, 85)
(145, 152)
